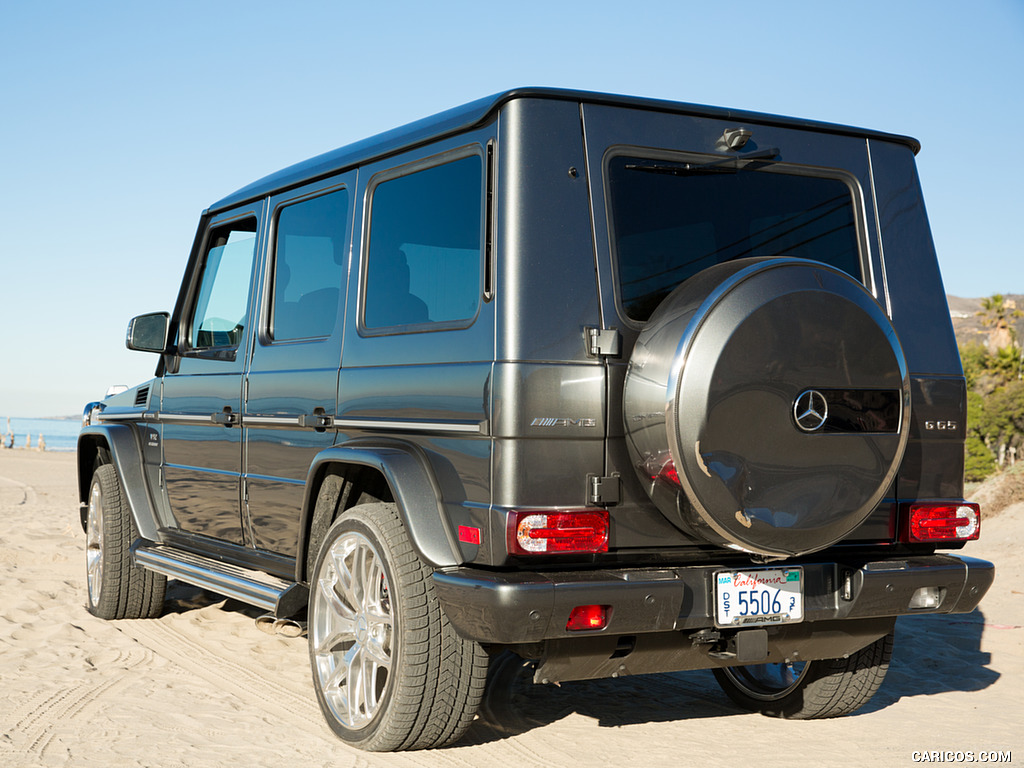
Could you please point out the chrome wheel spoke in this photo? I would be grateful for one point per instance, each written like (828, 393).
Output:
(356, 684)
(376, 651)
(341, 631)
(339, 609)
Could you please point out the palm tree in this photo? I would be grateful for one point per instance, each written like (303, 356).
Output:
(996, 312)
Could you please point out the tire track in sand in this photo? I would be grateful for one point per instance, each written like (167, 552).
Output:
(249, 685)
(42, 717)
(14, 493)
(293, 710)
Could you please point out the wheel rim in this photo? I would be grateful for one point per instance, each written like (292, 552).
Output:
(94, 543)
(768, 682)
(352, 630)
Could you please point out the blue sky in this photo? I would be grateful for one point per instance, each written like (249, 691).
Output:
(121, 121)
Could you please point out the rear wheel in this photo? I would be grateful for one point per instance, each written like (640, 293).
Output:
(117, 588)
(810, 689)
(390, 673)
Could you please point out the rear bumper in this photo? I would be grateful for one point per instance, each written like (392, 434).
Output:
(528, 607)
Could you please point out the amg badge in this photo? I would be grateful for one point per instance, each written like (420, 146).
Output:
(550, 422)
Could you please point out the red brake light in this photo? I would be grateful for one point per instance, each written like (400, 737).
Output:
(564, 532)
(943, 522)
(588, 617)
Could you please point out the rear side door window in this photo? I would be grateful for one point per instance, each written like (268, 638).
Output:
(309, 260)
(423, 264)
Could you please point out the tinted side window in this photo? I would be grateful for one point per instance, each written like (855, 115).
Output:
(423, 262)
(309, 257)
(218, 319)
(671, 220)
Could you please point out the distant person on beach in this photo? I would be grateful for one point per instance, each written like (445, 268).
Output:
(42, 443)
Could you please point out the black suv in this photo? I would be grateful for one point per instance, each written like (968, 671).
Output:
(615, 385)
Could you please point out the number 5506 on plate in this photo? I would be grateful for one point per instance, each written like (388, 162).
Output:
(759, 597)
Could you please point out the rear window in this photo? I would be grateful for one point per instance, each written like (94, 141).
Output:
(671, 219)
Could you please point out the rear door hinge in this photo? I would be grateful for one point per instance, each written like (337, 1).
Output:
(603, 342)
(604, 491)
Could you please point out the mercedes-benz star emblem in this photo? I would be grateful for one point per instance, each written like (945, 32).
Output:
(810, 411)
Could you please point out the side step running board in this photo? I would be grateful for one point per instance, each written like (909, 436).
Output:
(282, 598)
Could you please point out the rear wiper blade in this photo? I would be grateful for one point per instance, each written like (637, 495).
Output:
(725, 165)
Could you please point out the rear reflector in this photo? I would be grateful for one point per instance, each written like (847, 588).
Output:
(943, 522)
(469, 535)
(562, 532)
(588, 617)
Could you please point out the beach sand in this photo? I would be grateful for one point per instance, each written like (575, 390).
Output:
(201, 686)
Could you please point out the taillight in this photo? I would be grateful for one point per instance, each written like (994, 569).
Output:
(562, 532)
(943, 522)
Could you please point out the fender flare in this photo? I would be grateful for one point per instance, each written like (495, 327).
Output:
(416, 492)
(122, 443)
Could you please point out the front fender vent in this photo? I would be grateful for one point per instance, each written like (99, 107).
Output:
(142, 397)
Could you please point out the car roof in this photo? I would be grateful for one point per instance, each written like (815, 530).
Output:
(477, 112)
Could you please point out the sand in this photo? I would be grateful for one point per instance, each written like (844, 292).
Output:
(201, 686)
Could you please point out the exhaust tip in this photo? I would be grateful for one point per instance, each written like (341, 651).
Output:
(290, 627)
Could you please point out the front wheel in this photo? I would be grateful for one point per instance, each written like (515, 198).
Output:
(810, 689)
(117, 588)
(389, 671)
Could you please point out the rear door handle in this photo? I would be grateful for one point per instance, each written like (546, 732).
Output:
(225, 417)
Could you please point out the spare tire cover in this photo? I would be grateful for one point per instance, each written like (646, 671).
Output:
(766, 405)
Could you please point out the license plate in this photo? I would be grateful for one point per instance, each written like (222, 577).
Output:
(761, 597)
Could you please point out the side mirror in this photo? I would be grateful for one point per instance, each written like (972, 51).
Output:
(148, 333)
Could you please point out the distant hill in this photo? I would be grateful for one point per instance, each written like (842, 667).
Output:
(967, 324)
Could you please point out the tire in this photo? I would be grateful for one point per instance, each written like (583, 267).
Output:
(766, 406)
(810, 690)
(374, 618)
(117, 588)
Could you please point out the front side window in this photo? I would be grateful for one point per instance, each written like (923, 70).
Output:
(423, 262)
(670, 220)
(309, 257)
(218, 319)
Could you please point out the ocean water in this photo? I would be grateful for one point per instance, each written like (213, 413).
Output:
(59, 434)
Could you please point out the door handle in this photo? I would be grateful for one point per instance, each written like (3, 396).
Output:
(225, 417)
(318, 419)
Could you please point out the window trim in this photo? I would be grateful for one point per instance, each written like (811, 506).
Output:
(400, 171)
(867, 278)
